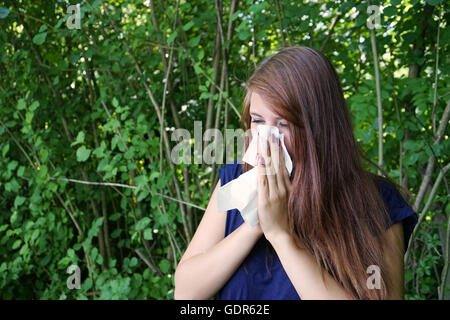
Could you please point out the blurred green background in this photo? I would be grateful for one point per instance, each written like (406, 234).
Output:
(87, 114)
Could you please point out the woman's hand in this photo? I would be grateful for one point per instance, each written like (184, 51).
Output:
(274, 188)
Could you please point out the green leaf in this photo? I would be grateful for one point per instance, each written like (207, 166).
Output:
(87, 284)
(44, 155)
(143, 195)
(412, 159)
(409, 145)
(99, 259)
(188, 25)
(115, 216)
(21, 104)
(205, 95)
(154, 175)
(235, 15)
(43, 171)
(172, 37)
(390, 11)
(5, 149)
(34, 105)
(197, 68)
(201, 54)
(244, 35)
(141, 224)
(133, 262)
(148, 234)
(35, 234)
(434, 2)
(164, 266)
(257, 7)
(40, 38)
(20, 171)
(98, 152)
(19, 201)
(3, 12)
(83, 154)
(14, 217)
(12, 165)
(98, 222)
(79, 139)
(140, 182)
(16, 244)
(163, 219)
(194, 41)
(116, 233)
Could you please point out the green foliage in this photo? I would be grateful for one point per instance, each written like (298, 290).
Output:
(78, 104)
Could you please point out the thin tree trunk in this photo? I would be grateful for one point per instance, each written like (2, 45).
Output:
(223, 76)
(212, 90)
(379, 103)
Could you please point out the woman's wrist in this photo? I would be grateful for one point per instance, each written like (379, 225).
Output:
(278, 238)
(254, 231)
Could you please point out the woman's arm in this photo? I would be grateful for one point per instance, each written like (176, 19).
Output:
(305, 273)
(300, 266)
(210, 259)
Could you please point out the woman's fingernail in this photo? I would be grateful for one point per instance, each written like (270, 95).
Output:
(274, 139)
(261, 160)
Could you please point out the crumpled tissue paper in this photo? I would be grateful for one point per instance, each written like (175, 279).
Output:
(241, 193)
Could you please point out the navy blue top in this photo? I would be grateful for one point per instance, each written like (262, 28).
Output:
(252, 281)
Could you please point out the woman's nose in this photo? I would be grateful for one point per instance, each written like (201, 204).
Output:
(273, 124)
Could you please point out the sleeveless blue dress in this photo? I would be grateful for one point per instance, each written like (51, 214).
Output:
(258, 278)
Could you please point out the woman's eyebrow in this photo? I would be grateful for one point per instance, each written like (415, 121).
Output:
(257, 115)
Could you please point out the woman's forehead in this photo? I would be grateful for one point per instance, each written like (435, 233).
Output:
(260, 107)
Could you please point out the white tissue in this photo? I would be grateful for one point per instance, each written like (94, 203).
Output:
(241, 193)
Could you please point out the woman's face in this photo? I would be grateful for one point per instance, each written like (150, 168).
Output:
(261, 113)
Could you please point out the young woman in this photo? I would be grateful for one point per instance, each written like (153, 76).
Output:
(332, 230)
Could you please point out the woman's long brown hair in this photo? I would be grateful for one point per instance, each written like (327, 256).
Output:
(336, 211)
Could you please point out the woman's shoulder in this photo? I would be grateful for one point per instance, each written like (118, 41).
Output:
(391, 194)
(230, 171)
(397, 207)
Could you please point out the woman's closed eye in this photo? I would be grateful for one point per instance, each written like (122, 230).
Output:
(257, 121)
(281, 124)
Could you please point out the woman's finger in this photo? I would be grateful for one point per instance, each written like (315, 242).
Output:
(263, 190)
(268, 163)
(274, 144)
(280, 166)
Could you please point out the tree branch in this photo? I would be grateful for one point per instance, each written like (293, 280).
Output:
(432, 160)
(148, 263)
(330, 32)
(121, 185)
(425, 209)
